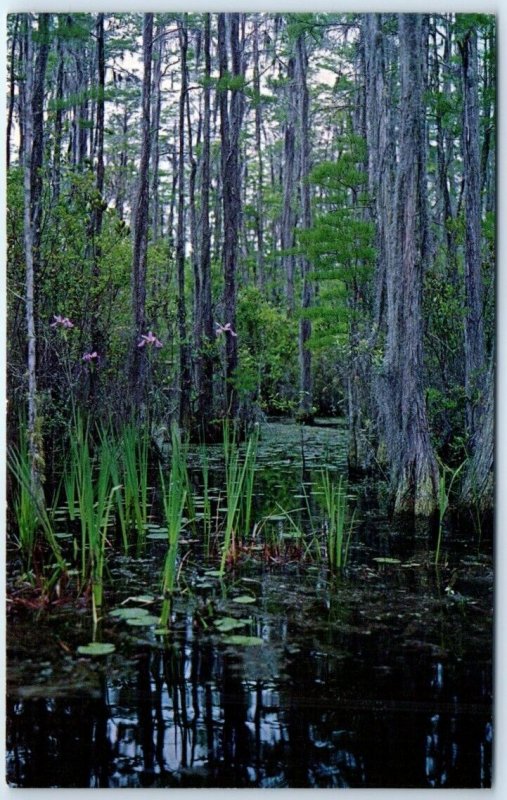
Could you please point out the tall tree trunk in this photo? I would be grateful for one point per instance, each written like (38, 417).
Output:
(185, 371)
(155, 149)
(95, 225)
(231, 114)
(478, 485)
(413, 467)
(305, 410)
(289, 182)
(138, 365)
(57, 146)
(204, 351)
(12, 85)
(32, 163)
(474, 325)
(259, 204)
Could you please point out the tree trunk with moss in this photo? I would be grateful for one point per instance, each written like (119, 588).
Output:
(413, 468)
(478, 485)
(305, 410)
(32, 185)
(138, 365)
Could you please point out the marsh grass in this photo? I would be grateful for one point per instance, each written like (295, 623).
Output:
(444, 493)
(134, 459)
(239, 479)
(206, 500)
(95, 494)
(174, 496)
(339, 530)
(30, 512)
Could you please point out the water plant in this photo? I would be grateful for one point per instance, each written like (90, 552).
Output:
(444, 493)
(95, 494)
(174, 495)
(30, 512)
(238, 479)
(338, 532)
(206, 501)
(134, 454)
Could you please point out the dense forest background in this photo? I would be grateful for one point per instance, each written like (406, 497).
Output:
(220, 216)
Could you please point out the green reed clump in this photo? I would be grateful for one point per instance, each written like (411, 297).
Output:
(206, 506)
(95, 494)
(238, 486)
(69, 485)
(444, 493)
(339, 531)
(174, 495)
(134, 457)
(29, 506)
(109, 442)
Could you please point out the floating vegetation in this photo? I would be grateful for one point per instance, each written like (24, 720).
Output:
(96, 649)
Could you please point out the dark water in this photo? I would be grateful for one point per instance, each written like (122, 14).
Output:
(378, 678)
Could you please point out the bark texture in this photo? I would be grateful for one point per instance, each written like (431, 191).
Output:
(474, 325)
(141, 221)
(413, 467)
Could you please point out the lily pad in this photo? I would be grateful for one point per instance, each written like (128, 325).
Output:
(143, 598)
(128, 613)
(386, 560)
(213, 573)
(226, 624)
(244, 599)
(239, 639)
(157, 535)
(96, 649)
(149, 619)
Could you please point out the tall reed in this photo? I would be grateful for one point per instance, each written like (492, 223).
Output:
(95, 495)
(238, 485)
(338, 535)
(174, 495)
(109, 441)
(29, 506)
(134, 450)
(206, 508)
(444, 493)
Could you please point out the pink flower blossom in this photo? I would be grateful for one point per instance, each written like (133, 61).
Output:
(63, 321)
(150, 339)
(227, 328)
(90, 356)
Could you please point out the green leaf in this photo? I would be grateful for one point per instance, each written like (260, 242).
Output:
(139, 622)
(128, 613)
(385, 560)
(96, 649)
(226, 624)
(244, 599)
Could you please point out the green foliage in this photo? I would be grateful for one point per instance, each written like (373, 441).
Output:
(339, 530)
(267, 343)
(339, 245)
(31, 515)
(239, 475)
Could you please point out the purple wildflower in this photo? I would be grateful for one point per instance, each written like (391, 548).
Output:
(150, 339)
(63, 321)
(227, 328)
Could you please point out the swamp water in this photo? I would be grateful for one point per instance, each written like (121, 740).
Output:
(279, 675)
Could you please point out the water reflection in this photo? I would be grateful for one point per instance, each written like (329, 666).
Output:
(187, 716)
